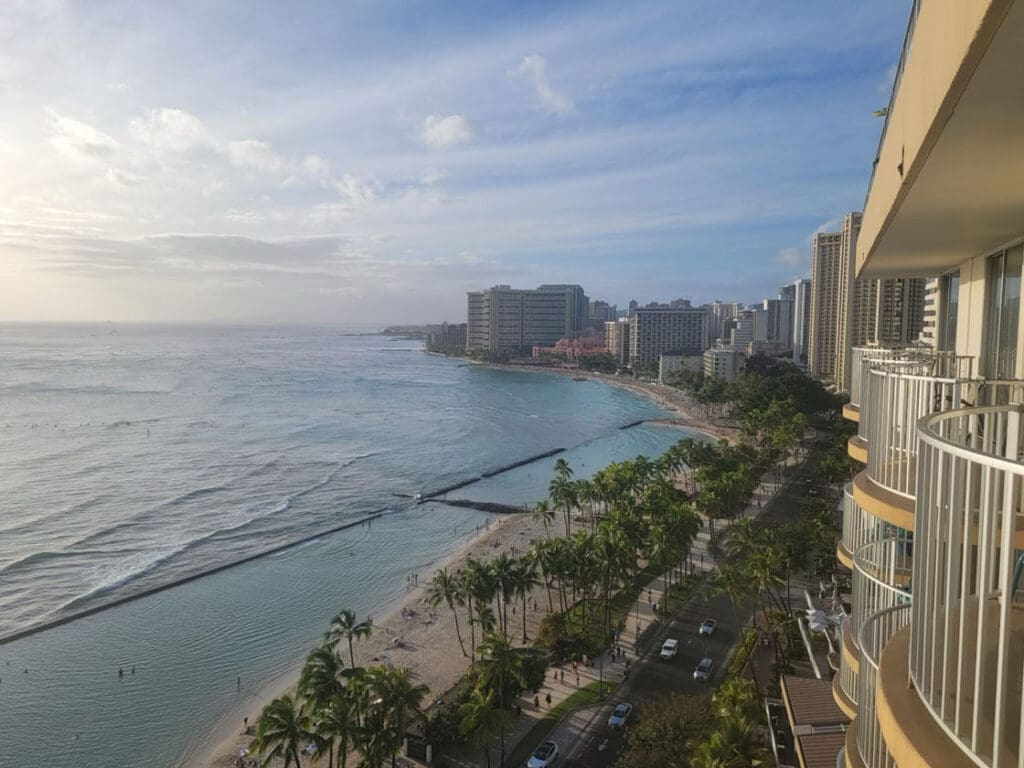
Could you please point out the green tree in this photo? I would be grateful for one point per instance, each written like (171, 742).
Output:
(344, 625)
(662, 731)
(321, 677)
(445, 588)
(483, 721)
(280, 731)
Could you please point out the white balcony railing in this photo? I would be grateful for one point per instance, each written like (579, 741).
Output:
(897, 394)
(859, 357)
(967, 635)
(874, 634)
(881, 578)
(859, 527)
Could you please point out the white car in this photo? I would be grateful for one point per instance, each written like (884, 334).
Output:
(703, 669)
(707, 627)
(669, 649)
(543, 756)
(619, 715)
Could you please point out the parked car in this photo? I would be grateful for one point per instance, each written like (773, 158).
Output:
(703, 669)
(543, 756)
(620, 714)
(707, 627)
(669, 649)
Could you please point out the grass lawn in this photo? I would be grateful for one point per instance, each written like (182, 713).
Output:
(585, 696)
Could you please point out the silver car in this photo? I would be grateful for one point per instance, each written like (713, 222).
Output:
(703, 669)
(619, 715)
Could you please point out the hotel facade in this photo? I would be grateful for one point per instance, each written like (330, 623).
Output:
(931, 662)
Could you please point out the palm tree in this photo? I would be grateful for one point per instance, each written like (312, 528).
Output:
(733, 744)
(544, 514)
(485, 619)
(501, 666)
(502, 570)
(344, 625)
(737, 698)
(400, 699)
(337, 725)
(320, 680)
(280, 731)
(524, 580)
(444, 587)
(563, 493)
(542, 557)
(482, 720)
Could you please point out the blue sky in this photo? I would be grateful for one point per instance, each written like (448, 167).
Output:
(372, 161)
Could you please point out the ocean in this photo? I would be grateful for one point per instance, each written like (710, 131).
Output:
(135, 457)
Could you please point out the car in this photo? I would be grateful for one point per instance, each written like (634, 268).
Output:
(543, 756)
(703, 669)
(669, 649)
(707, 627)
(619, 715)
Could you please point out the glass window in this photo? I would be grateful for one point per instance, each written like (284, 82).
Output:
(1002, 313)
(949, 296)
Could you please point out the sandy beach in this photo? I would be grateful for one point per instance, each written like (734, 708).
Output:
(428, 643)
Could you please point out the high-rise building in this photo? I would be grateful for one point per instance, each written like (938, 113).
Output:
(657, 331)
(719, 315)
(857, 309)
(616, 340)
(446, 338)
(827, 279)
(742, 329)
(931, 658)
(900, 310)
(504, 319)
(632, 307)
(930, 313)
(801, 319)
(779, 321)
(723, 363)
(577, 306)
(602, 310)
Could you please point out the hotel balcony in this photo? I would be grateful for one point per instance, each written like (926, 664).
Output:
(881, 580)
(859, 528)
(963, 653)
(898, 392)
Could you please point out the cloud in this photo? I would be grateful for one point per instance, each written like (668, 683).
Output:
(534, 68)
(432, 177)
(77, 140)
(122, 178)
(356, 189)
(255, 155)
(174, 130)
(447, 131)
(314, 165)
(791, 257)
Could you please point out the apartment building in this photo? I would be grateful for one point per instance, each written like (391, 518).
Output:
(931, 662)
(801, 318)
(505, 319)
(828, 279)
(724, 363)
(655, 331)
(616, 340)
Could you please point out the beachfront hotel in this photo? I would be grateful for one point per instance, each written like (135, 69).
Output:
(931, 662)
(506, 319)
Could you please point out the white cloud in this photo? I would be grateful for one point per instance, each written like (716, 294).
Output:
(534, 69)
(255, 155)
(355, 189)
(314, 165)
(77, 140)
(433, 176)
(789, 256)
(122, 178)
(446, 131)
(170, 129)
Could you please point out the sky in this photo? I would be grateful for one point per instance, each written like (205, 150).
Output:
(371, 161)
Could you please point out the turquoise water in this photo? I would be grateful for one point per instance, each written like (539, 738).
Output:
(130, 461)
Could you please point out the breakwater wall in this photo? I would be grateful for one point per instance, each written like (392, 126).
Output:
(36, 628)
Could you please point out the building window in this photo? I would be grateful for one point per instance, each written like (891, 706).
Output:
(949, 298)
(1002, 313)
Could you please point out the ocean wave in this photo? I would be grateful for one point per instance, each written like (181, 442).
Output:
(154, 558)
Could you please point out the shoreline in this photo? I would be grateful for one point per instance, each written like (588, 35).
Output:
(431, 650)
(429, 647)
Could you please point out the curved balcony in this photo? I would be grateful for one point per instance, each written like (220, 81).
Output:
(897, 394)
(873, 636)
(966, 642)
(859, 527)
